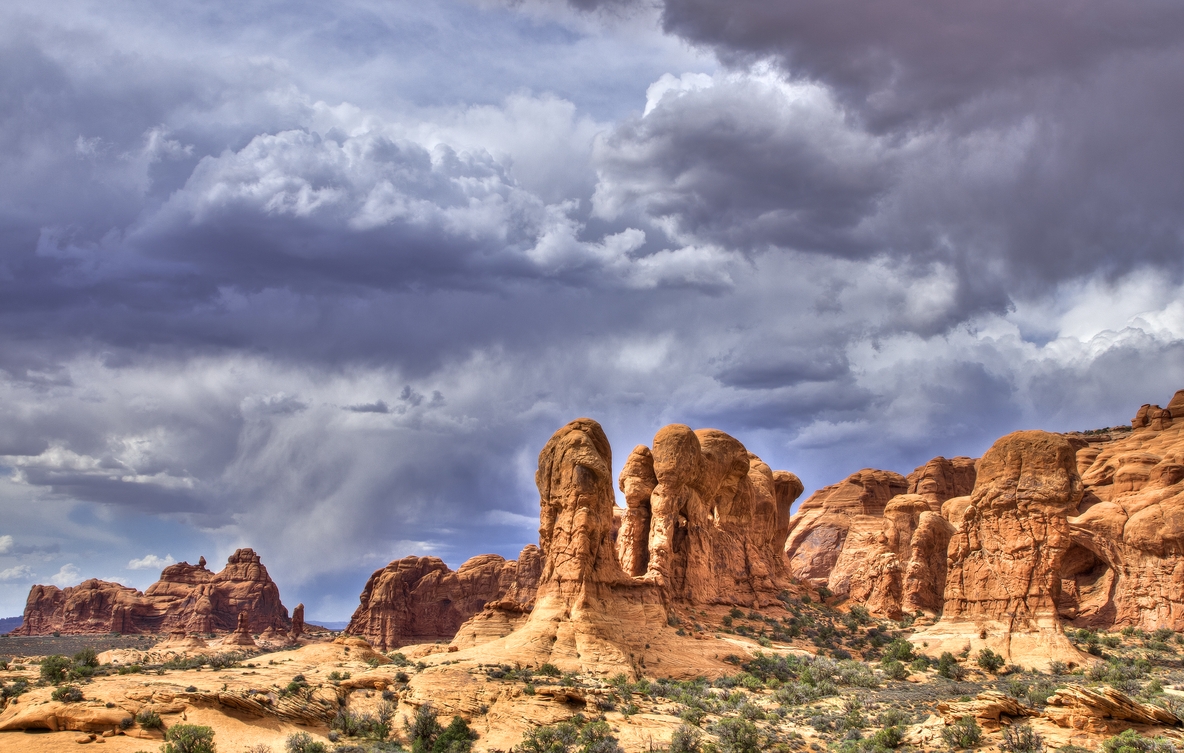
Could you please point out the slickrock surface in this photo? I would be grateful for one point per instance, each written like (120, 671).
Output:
(187, 598)
(706, 520)
(989, 709)
(421, 600)
(1005, 558)
(1103, 710)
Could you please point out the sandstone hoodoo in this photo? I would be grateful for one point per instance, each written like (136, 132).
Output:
(187, 598)
(421, 600)
(706, 520)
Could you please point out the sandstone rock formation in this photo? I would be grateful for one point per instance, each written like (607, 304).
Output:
(706, 520)
(941, 478)
(186, 598)
(421, 600)
(1005, 559)
(588, 612)
(989, 709)
(242, 633)
(1126, 562)
(1103, 710)
(297, 624)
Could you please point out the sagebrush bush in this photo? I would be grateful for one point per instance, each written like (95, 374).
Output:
(962, 734)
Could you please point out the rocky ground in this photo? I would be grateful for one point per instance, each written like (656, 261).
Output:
(805, 676)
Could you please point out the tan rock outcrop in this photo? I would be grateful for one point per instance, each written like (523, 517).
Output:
(421, 600)
(895, 564)
(59, 717)
(1126, 563)
(706, 519)
(1005, 558)
(941, 478)
(588, 612)
(988, 708)
(819, 530)
(297, 624)
(242, 633)
(1103, 710)
(186, 598)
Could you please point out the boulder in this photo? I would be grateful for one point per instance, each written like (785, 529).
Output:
(988, 708)
(187, 598)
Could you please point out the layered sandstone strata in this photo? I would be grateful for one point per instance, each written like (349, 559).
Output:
(187, 598)
(1005, 558)
(422, 600)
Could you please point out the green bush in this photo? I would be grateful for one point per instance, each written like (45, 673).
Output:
(54, 668)
(188, 738)
(737, 736)
(948, 667)
(559, 738)
(17, 687)
(1021, 739)
(894, 670)
(86, 658)
(549, 670)
(686, 740)
(302, 742)
(423, 729)
(900, 650)
(67, 694)
(962, 734)
(456, 738)
(149, 719)
(989, 660)
(398, 658)
(1132, 742)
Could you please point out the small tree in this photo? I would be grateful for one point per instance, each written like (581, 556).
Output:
(962, 734)
(457, 737)
(423, 729)
(188, 738)
(948, 667)
(54, 668)
(737, 736)
(67, 694)
(686, 739)
(86, 658)
(550, 739)
(989, 660)
(1021, 739)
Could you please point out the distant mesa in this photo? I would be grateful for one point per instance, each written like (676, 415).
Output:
(186, 599)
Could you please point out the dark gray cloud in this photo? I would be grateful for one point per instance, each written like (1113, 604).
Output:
(322, 280)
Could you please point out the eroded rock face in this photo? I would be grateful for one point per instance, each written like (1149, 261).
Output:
(1126, 563)
(895, 564)
(187, 598)
(941, 479)
(706, 520)
(1005, 558)
(819, 530)
(588, 611)
(421, 600)
(1103, 710)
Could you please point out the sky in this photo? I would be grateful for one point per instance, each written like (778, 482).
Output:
(321, 279)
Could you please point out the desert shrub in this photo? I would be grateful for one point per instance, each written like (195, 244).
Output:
(17, 687)
(1039, 693)
(900, 650)
(686, 740)
(962, 734)
(149, 719)
(948, 667)
(54, 668)
(398, 658)
(1132, 742)
(692, 715)
(894, 670)
(188, 738)
(3, 664)
(126, 722)
(1021, 739)
(456, 738)
(737, 736)
(597, 737)
(86, 658)
(1058, 668)
(989, 660)
(887, 738)
(130, 669)
(857, 674)
(1120, 673)
(302, 742)
(336, 676)
(67, 694)
(402, 677)
(423, 729)
(549, 670)
(559, 738)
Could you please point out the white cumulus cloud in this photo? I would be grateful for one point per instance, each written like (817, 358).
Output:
(5, 544)
(67, 576)
(151, 562)
(20, 572)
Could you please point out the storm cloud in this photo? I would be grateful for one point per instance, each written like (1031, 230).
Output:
(323, 280)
